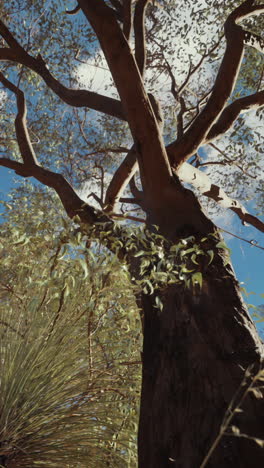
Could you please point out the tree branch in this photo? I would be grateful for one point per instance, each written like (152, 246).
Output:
(192, 70)
(184, 147)
(117, 5)
(126, 171)
(201, 182)
(73, 97)
(23, 138)
(227, 160)
(74, 11)
(127, 18)
(132, 201)
(73, 204)
(140, 39)
(230, 114)
(253, 40)
(138, 194)
(9, 38)
(153, 162)
(139, 111)
(120, 180)
(180, 117)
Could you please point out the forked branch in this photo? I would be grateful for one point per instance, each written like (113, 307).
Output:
(73, 97)
(231, 113)
(183, 148)
(154, 165)
(73, 204)
(120, 180)
(128, 167)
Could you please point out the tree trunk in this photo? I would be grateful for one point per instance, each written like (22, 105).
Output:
(195, 355)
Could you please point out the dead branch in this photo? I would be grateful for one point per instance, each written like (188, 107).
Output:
(201, 182)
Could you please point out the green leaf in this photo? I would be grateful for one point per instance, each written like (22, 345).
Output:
(149, 284)
(260, 442)
(187, 251)
(210, 253)
(66, 291)
(235, 430)
(186, 270)
(22, 240)
(84, 267)
(222, 245)
(197, 279)
(193, 259)
(256, 392)
(159, 303)
(140, 253)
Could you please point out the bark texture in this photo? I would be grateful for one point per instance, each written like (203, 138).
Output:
(195, 355)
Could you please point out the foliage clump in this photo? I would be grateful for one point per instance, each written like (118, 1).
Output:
(69, 362)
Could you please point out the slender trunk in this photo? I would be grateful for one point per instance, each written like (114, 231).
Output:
(195, 355)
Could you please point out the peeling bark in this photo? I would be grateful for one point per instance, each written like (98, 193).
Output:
(201, 182)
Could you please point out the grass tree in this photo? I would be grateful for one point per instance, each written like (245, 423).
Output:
(69, 373)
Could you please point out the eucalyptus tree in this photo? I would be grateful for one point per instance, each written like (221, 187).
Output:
(201, 401)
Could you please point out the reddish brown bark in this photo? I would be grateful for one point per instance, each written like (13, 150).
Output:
(194, 358)
(195, 355)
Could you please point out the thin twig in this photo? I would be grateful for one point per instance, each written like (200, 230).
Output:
(197, 66)
(252, 242)
(7, 325)
(230, 412)
(231, 161)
